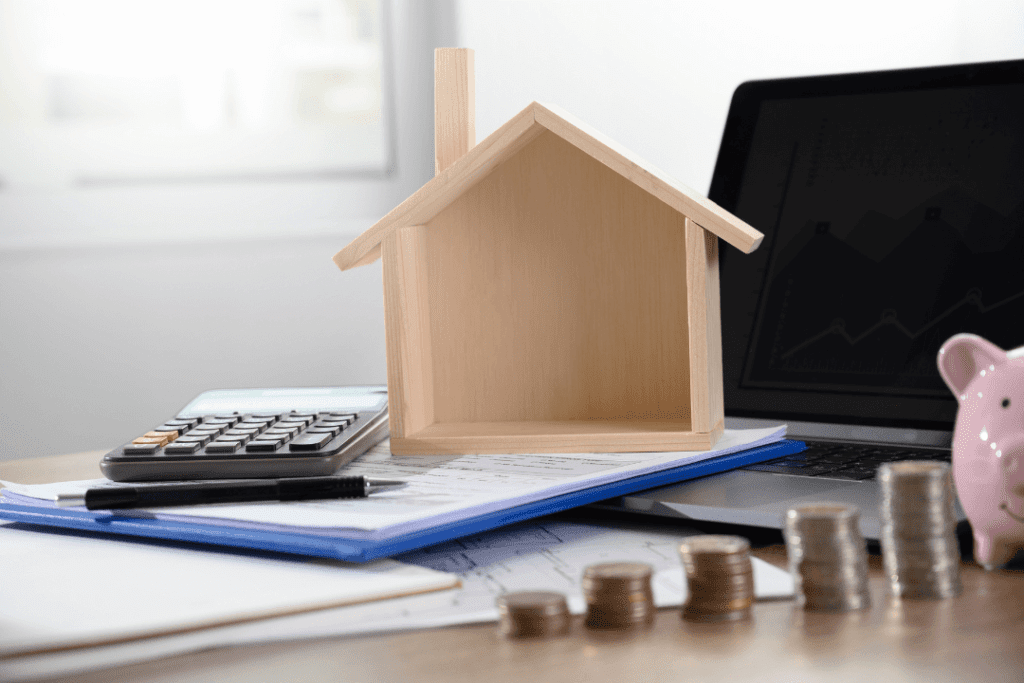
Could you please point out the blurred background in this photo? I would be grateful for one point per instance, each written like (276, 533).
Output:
(176, 175)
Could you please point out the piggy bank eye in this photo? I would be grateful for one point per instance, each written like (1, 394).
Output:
(1006, 403)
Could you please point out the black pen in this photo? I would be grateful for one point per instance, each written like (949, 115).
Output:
(247, 491)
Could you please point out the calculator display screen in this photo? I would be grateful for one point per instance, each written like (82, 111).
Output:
(280, 400)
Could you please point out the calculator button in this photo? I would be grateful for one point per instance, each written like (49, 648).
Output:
(283, 434)
(324, 429)
(289, 426)
(223, 447)
(183, 448)
(176, 429)
(269, 416)
(310, 442)
(201, 439)
(149, 437)
(213, 429)
(237, 438)
(297, 421)
(263, 446)
(204, 431)
(141, 449)
(221, 424)
(247, 430)
(333, 422)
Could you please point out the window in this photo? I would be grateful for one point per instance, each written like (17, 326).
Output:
(122, 90)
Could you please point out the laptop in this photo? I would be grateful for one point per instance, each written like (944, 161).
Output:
(893, 210)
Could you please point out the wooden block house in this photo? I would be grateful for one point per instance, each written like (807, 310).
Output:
(548, 291)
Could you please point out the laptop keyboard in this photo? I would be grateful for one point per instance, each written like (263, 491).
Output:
(845, 461)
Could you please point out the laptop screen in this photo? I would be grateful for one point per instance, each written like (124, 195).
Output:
(893, 211)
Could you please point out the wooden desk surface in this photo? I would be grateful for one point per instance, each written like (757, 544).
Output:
(978, 636)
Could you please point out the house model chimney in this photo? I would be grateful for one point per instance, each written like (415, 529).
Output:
(454, 105)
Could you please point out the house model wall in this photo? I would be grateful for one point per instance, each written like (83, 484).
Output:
(548, 291)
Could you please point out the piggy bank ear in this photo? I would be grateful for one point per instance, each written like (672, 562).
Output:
(963, 356)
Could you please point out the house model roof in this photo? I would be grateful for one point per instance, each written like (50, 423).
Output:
(509, 139)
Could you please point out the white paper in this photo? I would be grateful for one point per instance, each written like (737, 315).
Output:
(62, 589)
(440, 490)
(543, 555)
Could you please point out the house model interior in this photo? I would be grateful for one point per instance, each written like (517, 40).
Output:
(548, 291)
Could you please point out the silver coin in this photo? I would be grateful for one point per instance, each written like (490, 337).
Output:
(920, 552)
(827, 557)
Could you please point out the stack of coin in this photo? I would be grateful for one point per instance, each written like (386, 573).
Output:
(533, 614)
(618, 595)
(719, 578)
(827, 557)
(919, 546)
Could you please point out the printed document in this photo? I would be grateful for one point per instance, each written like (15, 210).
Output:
(546, 554)
(440, 490)
(63, 589)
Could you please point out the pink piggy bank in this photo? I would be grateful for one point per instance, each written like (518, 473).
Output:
(988, 442)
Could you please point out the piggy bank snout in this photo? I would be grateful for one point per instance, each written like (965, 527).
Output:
(1011, 460)
(1008, 451)
(1011, 464)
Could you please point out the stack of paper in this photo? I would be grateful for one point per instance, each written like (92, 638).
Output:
(446, 497)
(549, 554)
(63, 591)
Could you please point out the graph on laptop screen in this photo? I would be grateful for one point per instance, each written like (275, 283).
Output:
(893, 220)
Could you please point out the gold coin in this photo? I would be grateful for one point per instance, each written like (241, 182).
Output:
(533, 614)
(618, 595)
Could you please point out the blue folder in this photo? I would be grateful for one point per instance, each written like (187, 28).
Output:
(360, 550)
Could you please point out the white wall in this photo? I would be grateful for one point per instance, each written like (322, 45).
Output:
(108, 326)
(103, 343)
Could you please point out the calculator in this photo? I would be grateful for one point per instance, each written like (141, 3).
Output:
(256, 433)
